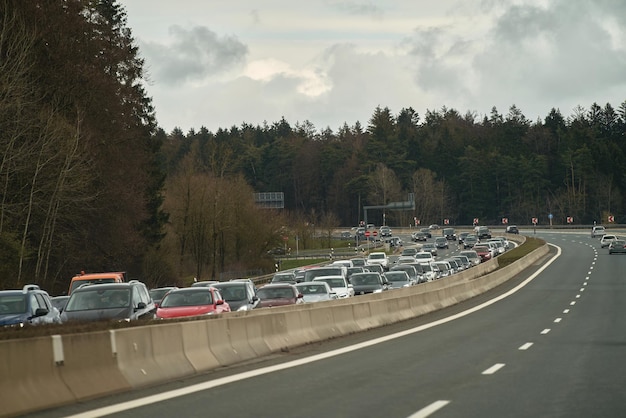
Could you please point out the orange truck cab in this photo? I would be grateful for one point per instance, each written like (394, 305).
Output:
(96, 278)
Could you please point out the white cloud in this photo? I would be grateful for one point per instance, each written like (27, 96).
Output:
(334, 61)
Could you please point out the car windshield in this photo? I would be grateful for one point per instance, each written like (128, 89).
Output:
(429, 245)
(376, 256)
(423, 255)
(365, 279)
(157, 294)
(187, 298)
(87, 300)
(397, 276)
(232, 292)
(309, 275)
(12, 304)
(333, 282)
(275, 293)
(312, 289)
(283, 278)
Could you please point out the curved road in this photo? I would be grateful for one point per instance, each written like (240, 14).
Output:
(549, 343)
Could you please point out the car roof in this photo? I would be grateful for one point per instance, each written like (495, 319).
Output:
(124, 285)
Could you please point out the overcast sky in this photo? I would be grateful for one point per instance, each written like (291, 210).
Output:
(219, 63)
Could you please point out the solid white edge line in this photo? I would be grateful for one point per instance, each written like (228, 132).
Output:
(136, 403)
(429, 410)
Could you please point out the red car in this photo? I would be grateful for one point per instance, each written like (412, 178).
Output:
(279, 294)
(192, 301)
(483, 251)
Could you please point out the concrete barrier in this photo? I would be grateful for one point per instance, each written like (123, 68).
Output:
(219, 342)
(89, 367)
(196, 346)
(134, 349)
(238, 334)
(168, 349)
(29, 377)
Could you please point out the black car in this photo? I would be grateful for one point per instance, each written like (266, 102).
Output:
(462, 236)
(449, 234)
(427, 231)
(370, 282)
(128, 301)
(240, 295)
(419, 236)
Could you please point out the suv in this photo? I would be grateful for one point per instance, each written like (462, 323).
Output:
(597, 231)
(29, 306)
(483, 232)
(128, 301)
(378, 257)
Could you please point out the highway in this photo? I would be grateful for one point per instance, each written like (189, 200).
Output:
(548, 343)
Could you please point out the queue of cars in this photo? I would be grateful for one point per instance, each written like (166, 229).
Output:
(103, 298)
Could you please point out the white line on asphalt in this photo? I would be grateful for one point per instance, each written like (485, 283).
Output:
(582, 289)
(566, 311)
(545, 331)
(429, 410)
(572, 303)
(494, 368)
(525, 346)
(557, 320)
(137, 403)
(577, 296)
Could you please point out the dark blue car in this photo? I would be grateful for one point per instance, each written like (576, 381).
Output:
(29, 306)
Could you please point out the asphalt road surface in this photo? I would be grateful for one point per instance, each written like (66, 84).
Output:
(548, 343)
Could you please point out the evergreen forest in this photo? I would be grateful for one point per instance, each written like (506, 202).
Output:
(89, 181)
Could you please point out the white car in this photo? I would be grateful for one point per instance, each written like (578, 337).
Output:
(378, 257)
(606, 240)
(347, 263)
(338, 284)
(429, 274)
(318, 291)
(424, 257)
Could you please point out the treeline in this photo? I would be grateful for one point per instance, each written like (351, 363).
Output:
(80, 182)
(89, 182)
(457, 166)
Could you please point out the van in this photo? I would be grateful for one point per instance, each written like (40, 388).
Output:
(96, 278)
